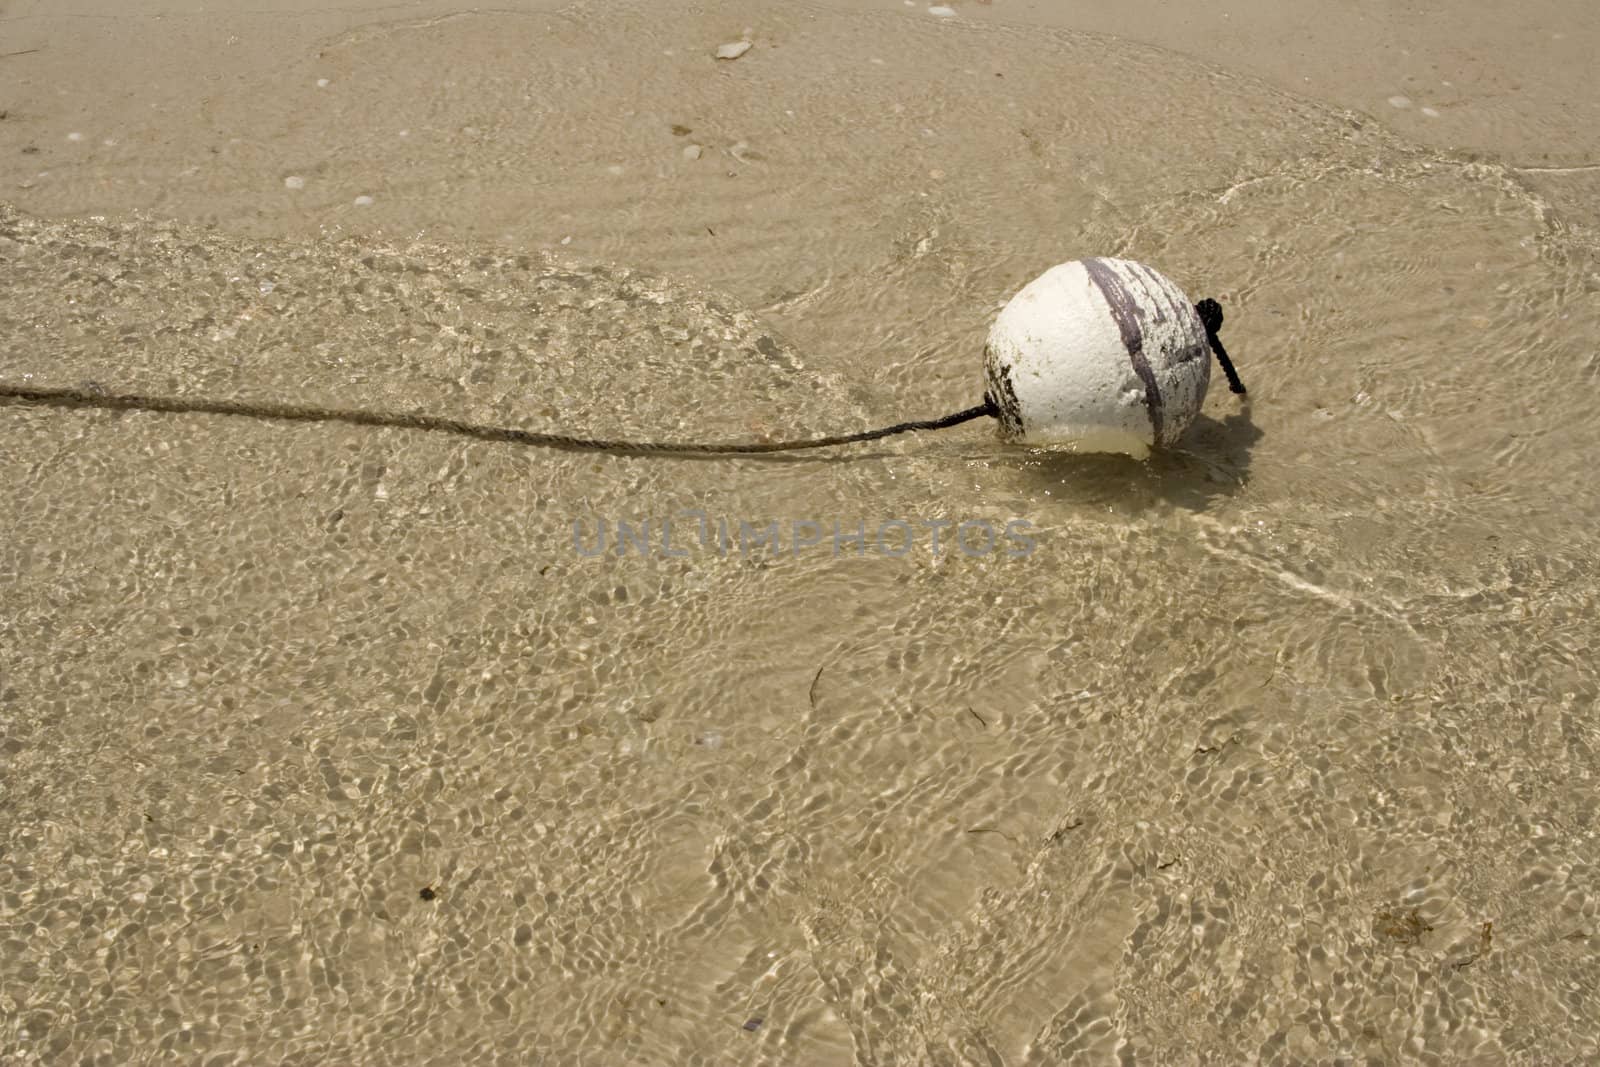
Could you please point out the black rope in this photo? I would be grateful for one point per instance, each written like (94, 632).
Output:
(1211, 318)
(90, 398)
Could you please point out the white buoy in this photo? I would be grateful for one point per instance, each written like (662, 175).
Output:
(1098, 355)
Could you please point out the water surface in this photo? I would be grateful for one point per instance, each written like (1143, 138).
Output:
(1278, 748)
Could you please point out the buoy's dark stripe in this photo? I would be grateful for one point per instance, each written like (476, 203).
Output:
(1003, 395)
(1126, 314)
(1169, 305)
(1158, 297)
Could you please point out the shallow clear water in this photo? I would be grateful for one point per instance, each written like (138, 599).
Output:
(1278, 747)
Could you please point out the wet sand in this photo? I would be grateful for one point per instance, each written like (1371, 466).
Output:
(342, 744)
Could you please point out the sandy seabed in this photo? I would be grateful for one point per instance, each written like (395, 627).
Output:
(334, 744)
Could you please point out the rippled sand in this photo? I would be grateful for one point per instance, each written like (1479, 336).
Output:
(330, 744)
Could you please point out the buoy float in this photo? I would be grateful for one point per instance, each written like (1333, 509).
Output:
(1098, 355)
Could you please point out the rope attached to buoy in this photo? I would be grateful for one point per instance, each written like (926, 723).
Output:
(1210, 314)
(269, 410)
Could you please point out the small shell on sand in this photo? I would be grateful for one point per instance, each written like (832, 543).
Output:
(733, 50)
(294, 181)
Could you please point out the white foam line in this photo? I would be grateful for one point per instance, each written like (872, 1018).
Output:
(1295, 582)
(1582, 167)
